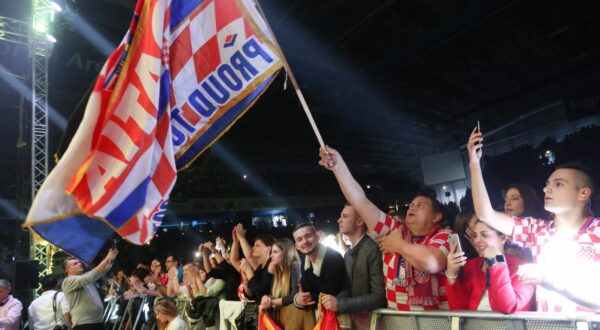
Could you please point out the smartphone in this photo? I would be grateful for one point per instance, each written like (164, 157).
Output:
(478, 127)
(454, 240)
(115, 243)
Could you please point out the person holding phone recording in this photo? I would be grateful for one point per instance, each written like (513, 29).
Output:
(488, 282)
(566, 249)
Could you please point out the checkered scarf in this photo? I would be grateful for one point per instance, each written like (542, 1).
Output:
(421, 286)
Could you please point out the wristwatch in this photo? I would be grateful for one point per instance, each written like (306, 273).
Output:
(494, 260)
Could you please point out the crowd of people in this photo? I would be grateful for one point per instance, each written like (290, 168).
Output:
(531, 256)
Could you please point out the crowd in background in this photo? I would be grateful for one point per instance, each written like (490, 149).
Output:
(535, 254)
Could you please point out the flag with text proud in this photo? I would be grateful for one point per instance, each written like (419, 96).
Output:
(184, 73)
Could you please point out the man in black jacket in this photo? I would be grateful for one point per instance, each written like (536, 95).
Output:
(364, 290)
(322, 268)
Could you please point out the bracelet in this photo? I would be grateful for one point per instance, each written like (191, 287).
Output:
(450, 277)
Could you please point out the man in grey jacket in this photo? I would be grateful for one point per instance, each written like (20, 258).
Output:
(82, 294)
(364, 288)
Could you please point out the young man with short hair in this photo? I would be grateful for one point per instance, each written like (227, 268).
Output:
(364, 290)
(51, 308)
(414, 253)
(566, 250)
(322, 268)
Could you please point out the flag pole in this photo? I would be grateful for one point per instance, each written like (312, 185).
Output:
(290, 74)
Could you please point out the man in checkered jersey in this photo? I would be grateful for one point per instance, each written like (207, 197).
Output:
(566, 250)
(414, 255)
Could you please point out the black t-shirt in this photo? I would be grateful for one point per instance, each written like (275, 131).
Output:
(232, 279)
(260, 283)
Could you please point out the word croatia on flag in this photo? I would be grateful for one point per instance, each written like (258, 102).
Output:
(184, 73)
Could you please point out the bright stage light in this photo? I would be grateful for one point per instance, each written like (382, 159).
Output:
(41, 27)
(56, 7)
(50, 38)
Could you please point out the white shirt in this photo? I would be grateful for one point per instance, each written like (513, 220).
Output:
(41, 314)
(177, 324)
(318, 263)
(10, 314)
(484, 303)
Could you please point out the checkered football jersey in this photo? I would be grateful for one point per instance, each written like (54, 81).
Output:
(397, 296)
(555, 253)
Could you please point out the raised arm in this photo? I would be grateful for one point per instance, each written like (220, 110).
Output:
(220, 249)
(246, 248)
(354, 193)
(481, 199)
(205, 249)
(173, 284)
(234, 255)
(71, 283)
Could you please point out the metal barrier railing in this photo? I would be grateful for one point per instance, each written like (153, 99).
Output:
(128, 319)
(476, 320)
(417, 320)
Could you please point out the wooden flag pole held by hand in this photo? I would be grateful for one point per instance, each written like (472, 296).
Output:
(293, 80)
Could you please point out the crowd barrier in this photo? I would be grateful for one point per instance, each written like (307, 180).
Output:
(474, 320)
(136, 318)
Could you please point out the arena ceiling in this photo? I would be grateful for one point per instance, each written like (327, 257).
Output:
(388, 81)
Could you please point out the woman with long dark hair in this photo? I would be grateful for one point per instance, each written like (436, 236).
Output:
(520, 200)
(285, 267)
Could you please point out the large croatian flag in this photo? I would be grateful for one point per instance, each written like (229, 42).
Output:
(184, 73)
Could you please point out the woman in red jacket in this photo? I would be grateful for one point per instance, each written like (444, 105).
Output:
(488, 282)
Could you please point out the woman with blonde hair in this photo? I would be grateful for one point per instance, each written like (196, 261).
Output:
(285, 267)
(165, 311)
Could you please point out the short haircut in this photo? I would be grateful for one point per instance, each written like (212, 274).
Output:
(140, 273)
(267, 239)
(302, 225)
(585, 179)
(49, 282)
(4, 283)
(66, 263)
(437, 207)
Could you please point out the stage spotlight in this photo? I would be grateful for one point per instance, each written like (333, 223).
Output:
(50, 38)
(41, 27)
(55, 6)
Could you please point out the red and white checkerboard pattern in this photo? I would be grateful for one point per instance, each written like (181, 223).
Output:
(197, 50)
(554, 251)
(397, 296)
